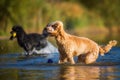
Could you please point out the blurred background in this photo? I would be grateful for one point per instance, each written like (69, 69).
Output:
(98, 20)
(95, 19)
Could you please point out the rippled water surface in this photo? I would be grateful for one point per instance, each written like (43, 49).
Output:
(15, 66)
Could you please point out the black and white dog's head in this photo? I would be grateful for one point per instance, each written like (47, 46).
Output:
(17, 29)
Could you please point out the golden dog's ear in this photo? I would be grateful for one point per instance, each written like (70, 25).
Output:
(55, 25)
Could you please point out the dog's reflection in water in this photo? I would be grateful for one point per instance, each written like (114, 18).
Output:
(79, 73)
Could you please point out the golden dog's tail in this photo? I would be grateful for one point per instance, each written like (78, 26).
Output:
(105, 49)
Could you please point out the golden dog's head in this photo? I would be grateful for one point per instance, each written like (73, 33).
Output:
(53, 29)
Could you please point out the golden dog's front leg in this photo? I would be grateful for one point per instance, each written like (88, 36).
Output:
(71, 60)
(62, 59)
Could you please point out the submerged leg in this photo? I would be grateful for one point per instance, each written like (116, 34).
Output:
(62, 59)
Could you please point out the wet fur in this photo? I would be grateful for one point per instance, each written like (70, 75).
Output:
(69, 45)
(28, 41)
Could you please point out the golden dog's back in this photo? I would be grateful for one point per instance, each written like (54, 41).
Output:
(82, 45)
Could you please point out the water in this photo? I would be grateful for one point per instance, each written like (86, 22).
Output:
(15, 66)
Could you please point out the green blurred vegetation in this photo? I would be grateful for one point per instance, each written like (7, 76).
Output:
(33, 15)
(7, 46)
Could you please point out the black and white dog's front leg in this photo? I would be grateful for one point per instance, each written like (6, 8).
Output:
(28, 49)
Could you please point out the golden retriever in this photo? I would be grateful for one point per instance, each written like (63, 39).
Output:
(69, 45)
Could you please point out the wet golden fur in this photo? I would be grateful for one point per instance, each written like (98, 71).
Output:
(69, 45)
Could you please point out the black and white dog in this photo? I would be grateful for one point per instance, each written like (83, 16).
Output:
(33, 42)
